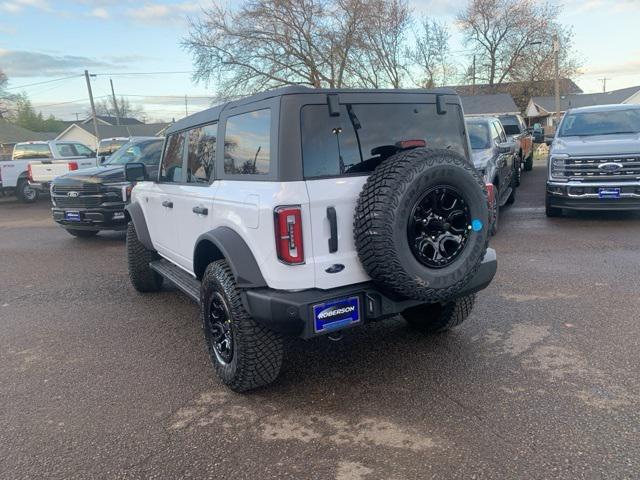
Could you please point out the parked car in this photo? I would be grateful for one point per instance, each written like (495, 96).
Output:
(44, 160)
(493, 155)
(305, 212)
(517, 130)
(108, 146)
(87, 201)
(594, 161)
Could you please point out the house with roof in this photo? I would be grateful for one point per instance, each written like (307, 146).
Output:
(543, 110)
(11, 134)
(489, 104)
(84, 132)
(521, 92)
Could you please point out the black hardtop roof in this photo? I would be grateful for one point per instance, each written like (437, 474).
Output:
(213, 114)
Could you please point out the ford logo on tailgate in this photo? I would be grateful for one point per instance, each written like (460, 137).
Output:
(610, 166)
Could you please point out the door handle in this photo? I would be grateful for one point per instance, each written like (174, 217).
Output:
(333, 228)
(200, 210)
(167, 204)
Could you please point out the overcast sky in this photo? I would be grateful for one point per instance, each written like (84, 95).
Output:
(46, 39)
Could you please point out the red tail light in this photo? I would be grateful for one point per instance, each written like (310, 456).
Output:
(288, 226)
(73, 166)
(491, 193)
(29, 173)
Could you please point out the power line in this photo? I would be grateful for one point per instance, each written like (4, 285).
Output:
(43, 82)
(68, 102)
(140, 73)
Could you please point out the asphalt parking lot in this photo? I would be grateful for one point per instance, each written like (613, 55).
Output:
(543, 381)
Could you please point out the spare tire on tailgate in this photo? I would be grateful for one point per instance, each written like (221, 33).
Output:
(421, 224)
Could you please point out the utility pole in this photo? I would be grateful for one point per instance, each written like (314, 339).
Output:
(115, 103)
(604, 84)
(186, 109)
(93, 107)
(473, 80)
(556, 53)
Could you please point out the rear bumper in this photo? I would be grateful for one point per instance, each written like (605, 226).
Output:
(584, 196)
(292, 312)
(40, 186)
(92, 218)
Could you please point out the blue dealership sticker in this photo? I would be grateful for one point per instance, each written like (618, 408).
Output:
(336, 314)
(476, 225)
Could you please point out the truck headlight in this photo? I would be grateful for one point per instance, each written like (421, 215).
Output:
(557, 163)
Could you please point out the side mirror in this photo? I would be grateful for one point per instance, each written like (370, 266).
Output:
(103, 159)
(135, 172)
(506, 147)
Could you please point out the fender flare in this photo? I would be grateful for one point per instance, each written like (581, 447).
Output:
(232, 247)
(135, 214)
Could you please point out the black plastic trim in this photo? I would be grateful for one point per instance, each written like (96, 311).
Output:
(239, 256)
(135, 213)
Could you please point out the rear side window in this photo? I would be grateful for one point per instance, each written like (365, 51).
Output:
(26, 151)
(365, 134)
(65, 150)
(247, 144)
(201, 154)
(171, 169)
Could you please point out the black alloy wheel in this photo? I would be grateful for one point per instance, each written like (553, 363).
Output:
(439, 226)
(219, 325)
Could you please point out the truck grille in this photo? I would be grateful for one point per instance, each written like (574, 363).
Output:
(80, 188)
(591, 168)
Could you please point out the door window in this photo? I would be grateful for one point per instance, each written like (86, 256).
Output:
(83, 150)
(171, 169)
(201, 154)
(247, 143)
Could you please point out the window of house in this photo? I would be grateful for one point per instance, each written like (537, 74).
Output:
(201, 153)
(171, 168)
(247, 143)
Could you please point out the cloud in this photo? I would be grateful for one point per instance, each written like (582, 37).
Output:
(17, 63)
(17, 6)
(154, 13)
(8, 29)
(604, 6)
(629, 67)
(99, 12)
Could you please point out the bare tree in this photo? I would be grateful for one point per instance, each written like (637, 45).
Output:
(503, 32)
(319, 43)
(125, 108)
(7, 100)
(430, 54)
(381, 58)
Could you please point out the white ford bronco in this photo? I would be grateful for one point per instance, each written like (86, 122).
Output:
(306, 212)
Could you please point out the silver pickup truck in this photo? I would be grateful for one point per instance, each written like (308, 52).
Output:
(594, 161)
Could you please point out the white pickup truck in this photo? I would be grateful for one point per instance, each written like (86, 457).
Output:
(34, 164)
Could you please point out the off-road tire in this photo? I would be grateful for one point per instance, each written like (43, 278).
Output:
(551, 212)
(528, 163)
(82, 233)
(25, 193)
(381, 221)
(439, 317)
(142, 277)
(512, 196)
(257, 351)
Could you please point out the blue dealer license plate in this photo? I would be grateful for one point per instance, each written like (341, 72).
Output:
(72, 215)
(336, 314)
(609, 192)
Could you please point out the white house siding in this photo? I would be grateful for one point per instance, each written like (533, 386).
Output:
(77, 134)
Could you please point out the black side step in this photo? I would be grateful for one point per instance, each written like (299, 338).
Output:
(181, 279)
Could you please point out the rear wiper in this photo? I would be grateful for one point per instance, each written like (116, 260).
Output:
(355, 122)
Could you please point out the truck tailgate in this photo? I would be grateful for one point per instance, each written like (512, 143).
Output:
(47, 171)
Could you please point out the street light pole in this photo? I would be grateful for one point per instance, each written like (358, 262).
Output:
(556, 54)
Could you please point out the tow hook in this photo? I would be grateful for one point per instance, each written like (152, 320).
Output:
(335, 336)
